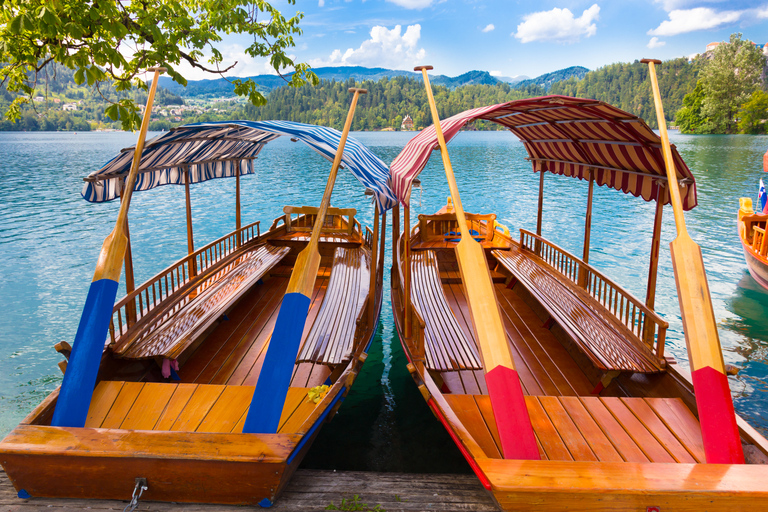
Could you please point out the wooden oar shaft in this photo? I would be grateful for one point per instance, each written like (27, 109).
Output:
(503, 382)
(719, 431)
(458, 208)
(669, 162)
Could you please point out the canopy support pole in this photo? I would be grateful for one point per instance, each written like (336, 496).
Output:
(539, 215)
(583, 274)
(395, 236)
(237, 202)
(190, 236)
(407, 269)
(650, 296)
(374, 267)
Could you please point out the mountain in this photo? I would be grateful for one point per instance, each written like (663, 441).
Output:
(513, 79)
(546, 80)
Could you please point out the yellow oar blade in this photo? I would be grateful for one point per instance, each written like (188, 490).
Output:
(305, 271)
(719, 431)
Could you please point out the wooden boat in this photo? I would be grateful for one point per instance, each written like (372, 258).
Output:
(751, 226)
(615, 419)
(208, 318)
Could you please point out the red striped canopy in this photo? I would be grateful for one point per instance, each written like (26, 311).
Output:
(568, 136)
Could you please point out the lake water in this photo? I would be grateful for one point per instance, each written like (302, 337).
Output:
(50, 239)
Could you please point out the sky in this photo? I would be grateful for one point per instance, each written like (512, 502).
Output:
(504, 37)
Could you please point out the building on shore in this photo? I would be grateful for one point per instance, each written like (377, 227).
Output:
(407, 123)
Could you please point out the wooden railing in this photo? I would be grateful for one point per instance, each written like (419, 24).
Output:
(189, 271)
(302, 218)
(368, 238)
(642, 321)
(759, 241)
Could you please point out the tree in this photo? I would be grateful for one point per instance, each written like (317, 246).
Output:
(728, 79)
(113, 42)
(689, 119)
(753, 115)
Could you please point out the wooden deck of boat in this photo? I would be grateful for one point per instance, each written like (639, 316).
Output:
(307, 490)
(234, 352)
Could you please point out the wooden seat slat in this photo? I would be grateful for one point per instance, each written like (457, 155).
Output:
(104, 396)
(569, 432)
(648, 417)
(178, 401)
(637, 431)
(473, 420)
(122, 404)
(681, 421)
(204, 305)
(446, 347)
(606, 345)
(546, 432)
(147, 408)
(330, 339)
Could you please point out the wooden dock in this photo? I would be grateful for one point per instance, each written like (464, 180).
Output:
(308, 490)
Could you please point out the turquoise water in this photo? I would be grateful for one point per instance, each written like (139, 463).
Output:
(50, 238)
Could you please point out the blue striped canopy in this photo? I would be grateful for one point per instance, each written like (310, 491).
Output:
(222, 149)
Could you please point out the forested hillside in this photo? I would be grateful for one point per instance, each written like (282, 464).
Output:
(627, 87)
(387, 102)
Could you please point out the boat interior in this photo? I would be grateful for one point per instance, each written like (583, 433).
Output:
(589, 355)
(209, 319)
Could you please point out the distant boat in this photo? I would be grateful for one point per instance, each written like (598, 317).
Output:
(752, 226)
(186, 349)
(615, 421)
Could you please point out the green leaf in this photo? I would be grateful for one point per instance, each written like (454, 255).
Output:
(112, 112)
(79, 76)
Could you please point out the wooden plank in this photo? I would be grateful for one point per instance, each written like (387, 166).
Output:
(546, 432)
(601, 446)
(294, 422)
(198, 406)
(613, 430)
(228, 409)
(122, 404)
(148, 406)
(484, 405)
(292, 400)
(653, 423)
(569, 432)
(637, 431)
(469, 413)
(175, 405)
(103, 397)
(681, 421)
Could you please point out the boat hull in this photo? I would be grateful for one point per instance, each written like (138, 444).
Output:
(757, 266)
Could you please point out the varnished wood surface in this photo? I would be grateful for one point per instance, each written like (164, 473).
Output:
(308, 490)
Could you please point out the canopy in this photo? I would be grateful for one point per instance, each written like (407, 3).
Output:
(222, 149)
(567, 136)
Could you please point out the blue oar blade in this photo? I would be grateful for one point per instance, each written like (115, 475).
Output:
(83, 367)
(275, 377)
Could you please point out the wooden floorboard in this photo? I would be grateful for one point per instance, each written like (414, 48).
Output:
(308, 490)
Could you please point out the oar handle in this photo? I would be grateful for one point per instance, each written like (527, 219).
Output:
(458, 208)
(669, 161)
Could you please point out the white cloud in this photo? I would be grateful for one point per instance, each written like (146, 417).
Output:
(489, 28)
(494, 73)
(386, 48)
(320, 3)
(762, 13)
(412, 4)
(558, 25)
(690, 20)
(655, 43)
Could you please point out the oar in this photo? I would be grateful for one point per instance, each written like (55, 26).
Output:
(80, 377)
(720, 434)
(504, 389)
(275, 377)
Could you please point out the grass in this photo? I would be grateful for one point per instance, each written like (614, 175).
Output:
(354, 504)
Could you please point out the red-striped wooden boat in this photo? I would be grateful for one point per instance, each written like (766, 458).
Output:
(207, 320)
(615, 418)
(751, 227)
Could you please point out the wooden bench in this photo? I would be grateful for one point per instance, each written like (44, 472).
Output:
(609, 345)
(330, 340)
(204, 305)
(446, 346)
(439, 226)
